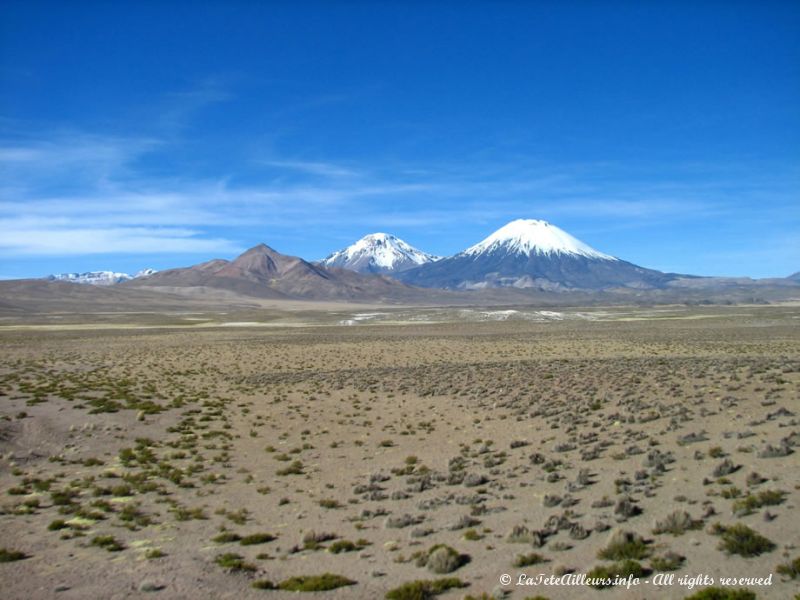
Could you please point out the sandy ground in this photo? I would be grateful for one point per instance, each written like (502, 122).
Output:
(498, 437)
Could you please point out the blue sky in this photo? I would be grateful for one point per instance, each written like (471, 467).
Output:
(161, 134)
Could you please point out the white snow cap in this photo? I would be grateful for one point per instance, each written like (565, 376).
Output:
(529, 236)
(384, 250)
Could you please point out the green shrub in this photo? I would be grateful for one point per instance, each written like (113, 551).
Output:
(526, 560)
(263, 584)
(7, 555)
(57, 524)
(752, 502)
(424, 589)
(790, 569)
(346, 546)
(296, 468)
(315, 583)
(740, 539)
(234, 562)
(109, 542)
(226, 537)
(256, 538)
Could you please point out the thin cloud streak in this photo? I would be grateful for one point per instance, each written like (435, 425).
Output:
(113, 205)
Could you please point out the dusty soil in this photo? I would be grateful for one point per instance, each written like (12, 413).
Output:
(133, 459)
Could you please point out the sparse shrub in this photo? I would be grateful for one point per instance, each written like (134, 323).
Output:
(526, 560)
(226, 537)
(7, 555)
(676, 523)
(752, 502)
(154, 553)
(472, 536)
(296, 468)
(716, 452)
(624, 545)
(669, 561)
(340, 546)
(109, 542)
(444, 559)
(233, 562)
(424, 589)
(740, 539)
(57, 524)
(790, 569)
(315, 583)
(256, 538)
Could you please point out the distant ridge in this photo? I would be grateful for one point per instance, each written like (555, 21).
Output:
(266, 273)
(99, 277)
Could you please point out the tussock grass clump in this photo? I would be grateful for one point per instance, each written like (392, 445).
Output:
(256, 538)
(718, 593)
(296, 468)
(441, 559)
(526, 560)
(676, 523)
(522, 535)
(624, 545)
(312, 540)
(109, 542)
(7, 555)
(752, 502)
(604, 574)
(226, 537)
(340, 546)
(424, 589)
(790, 569)
(315, 583)
(669, 561)
(234, 562)
(740, 539)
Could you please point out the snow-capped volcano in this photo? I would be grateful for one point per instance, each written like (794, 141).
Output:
(99, 277)
(532, 236)
(529, 253)
(379, 253)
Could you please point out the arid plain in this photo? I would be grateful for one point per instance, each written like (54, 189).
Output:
(399, 453)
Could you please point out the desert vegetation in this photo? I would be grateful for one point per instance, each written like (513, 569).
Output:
(400, 461)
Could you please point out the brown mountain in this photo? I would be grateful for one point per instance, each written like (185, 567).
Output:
(265, 273)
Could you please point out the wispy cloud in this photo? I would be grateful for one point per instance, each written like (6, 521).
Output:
(49, 241)
(322, 169)
(71, 193)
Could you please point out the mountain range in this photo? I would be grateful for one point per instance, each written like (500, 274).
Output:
(523, 260)
(99, 277)
(265, 273)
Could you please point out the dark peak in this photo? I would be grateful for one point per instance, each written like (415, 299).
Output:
(261, 248)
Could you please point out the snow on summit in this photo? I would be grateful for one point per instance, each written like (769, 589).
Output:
(378, 253)
(533, 236)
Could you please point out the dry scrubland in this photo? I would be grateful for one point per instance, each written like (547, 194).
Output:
(220, 463)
